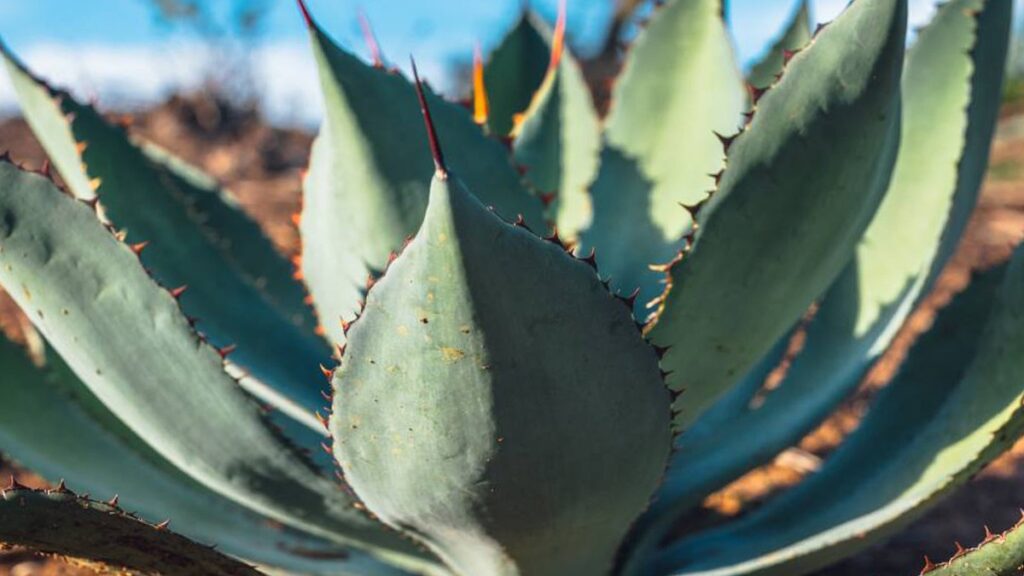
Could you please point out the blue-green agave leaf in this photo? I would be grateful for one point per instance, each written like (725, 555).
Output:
(803, 182)
(679, 86)
(197, 235)
(495, 401)
(369, 177)
(59, 522)
(515, 70)
(954, 406)
(951, 96)
(129, 342)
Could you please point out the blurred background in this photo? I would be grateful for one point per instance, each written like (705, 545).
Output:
(133, 53)
(230, 86)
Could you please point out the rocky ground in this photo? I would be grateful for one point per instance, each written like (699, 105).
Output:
(262, 165)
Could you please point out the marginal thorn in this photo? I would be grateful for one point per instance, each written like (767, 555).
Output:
(787, 55)
(323, 420)
(139, 247)
(177, 292)
(163, 525)
(13, 484)
(928, 566)
(725, 140)
(755, 93)
(340, 350)
(327, 372)
(591, 259)
(820, 27)
(46, 169)
(440, 169)
(113, 501)
(521, 222)
(327, 449)
(62, 487)
(225, 351)
(345, 325)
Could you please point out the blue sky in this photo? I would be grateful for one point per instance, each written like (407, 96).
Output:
(116, 51)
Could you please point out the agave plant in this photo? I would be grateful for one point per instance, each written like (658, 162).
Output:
(544, 349)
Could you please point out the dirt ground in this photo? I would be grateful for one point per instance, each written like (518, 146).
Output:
(263, 165)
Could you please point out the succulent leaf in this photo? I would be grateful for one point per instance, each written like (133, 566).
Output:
(795, 36)
(195, 234)
(496, 402)
(953, 407)
(679, 86)
(515, 70)
(51, 423)
(129, 342)
(70, 525)
(368, 181)
(803, 182)
(951, 95)
(997, 555)
(558, 143)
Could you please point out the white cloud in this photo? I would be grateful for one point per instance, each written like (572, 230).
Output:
(284, 75)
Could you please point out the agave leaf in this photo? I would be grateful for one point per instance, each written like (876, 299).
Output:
(951, 95)
(998, 555)
(795, 36)
(66, 524)
(660, 147)
(558, 143)
(458, 407)
(51, 423)
(128, 341)
(803, 182)
(515, 70)
(954, 406)
(239, 285)
(368, 181)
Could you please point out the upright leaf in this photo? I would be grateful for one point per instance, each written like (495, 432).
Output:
(796, 35)
(678, 87)
(368, 181)
(802, 184)
(515, 71)
(496, 402)
(559, 139)
(951, 95)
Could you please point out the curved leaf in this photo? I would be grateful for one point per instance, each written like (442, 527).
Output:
(239, 285)
(951, 96)
(130, 344)
(558, 143)
(51, 423)
(496, 402)
(802, 184)
(954, 406)
(368, 181)
(66, 524)
(662, 128)
(998, 555)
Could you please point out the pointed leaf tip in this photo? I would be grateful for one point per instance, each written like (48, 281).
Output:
(558, 39)
(435, 146)
(305, 13)
(481, 108)
(371, 39)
